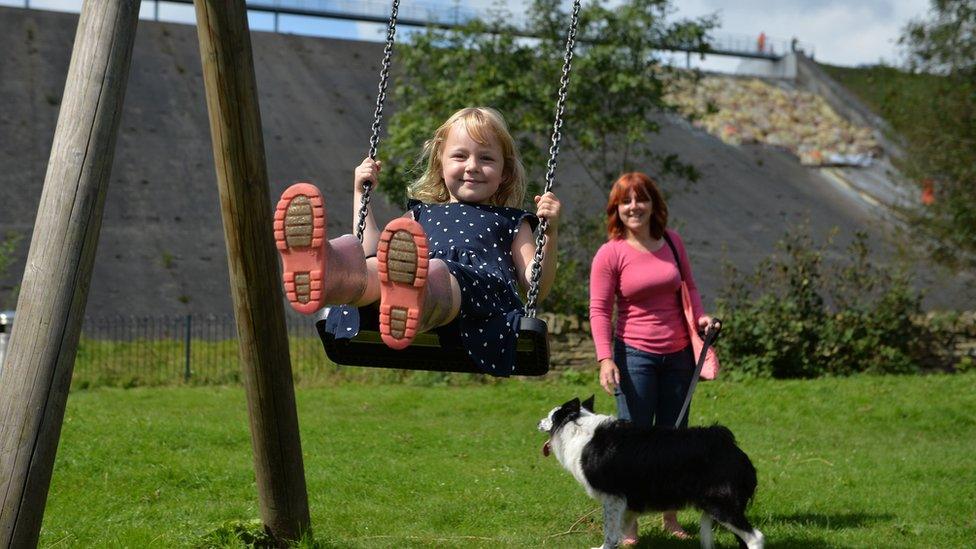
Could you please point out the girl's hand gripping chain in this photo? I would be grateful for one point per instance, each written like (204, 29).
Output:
(367, 172)
(523, 249)
(549, 207)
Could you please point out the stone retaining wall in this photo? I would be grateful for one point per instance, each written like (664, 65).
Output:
(570, 341)
(965, 336)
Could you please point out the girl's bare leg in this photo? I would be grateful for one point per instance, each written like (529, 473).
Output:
(372, 292)
(438, 311)
(442, 300)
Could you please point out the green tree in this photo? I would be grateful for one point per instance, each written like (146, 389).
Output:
(620, 82)
(616, 98)
(617, 87)
(942, 146)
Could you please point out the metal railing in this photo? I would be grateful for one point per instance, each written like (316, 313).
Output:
(421, 14)
(373, 10)
(417, 14)
(191, 349)
(745, 45)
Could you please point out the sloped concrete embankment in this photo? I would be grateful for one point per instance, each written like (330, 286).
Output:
(161, 249)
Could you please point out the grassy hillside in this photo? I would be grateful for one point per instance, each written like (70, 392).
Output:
(933, 117)
(890, 92)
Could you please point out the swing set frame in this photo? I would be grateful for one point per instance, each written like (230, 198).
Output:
(36, 376)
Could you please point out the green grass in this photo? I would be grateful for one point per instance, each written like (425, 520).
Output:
(856, 462)
(890, 92)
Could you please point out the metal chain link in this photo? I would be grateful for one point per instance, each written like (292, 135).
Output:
(533, 294)
(378, 115)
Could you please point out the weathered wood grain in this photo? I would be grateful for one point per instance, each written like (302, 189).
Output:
(235, 124)
(36, 376)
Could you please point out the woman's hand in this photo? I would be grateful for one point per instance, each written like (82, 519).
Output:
(369, 172)
(609, 375)
(707, 324)
(549, 207)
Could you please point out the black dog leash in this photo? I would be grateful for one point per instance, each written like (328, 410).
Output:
(710, 336)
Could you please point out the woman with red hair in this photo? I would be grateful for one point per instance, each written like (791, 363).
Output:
(647, 362)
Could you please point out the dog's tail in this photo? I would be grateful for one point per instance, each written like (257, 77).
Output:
(747, 479)
(724, 431)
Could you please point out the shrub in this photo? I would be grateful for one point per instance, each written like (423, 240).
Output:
(798, 317)
(578, 241)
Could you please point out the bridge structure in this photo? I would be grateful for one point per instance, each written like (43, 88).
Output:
(424, 14)
(450, 15)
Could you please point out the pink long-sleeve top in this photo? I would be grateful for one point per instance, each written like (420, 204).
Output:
(644, 287)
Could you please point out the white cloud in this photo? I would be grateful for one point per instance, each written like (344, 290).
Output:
(843, 33)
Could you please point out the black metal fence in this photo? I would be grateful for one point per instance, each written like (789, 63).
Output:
(194, 349)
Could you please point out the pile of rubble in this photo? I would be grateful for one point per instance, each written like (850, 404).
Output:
(752, 111)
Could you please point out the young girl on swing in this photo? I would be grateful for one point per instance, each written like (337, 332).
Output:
(460, 254)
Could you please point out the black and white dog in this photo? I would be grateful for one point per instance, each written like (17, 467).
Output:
(634, 470)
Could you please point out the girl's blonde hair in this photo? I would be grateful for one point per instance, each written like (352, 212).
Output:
(482, 124)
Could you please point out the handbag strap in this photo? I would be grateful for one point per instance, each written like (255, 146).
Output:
(707, 342)
(677, 260)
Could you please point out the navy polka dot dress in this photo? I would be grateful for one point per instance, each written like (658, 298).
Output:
(475, 241)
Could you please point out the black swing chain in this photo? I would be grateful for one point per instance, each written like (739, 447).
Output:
(533, 293)
(540, 240)
(378, 115)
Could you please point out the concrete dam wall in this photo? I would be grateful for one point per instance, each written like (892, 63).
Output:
(161, 249)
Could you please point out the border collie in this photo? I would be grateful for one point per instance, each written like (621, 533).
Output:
(634, 470)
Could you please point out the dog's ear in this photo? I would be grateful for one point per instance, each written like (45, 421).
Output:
(571, 406)
(588, 404)
(569, 411)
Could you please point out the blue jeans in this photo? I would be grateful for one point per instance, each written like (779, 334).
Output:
(652, 387)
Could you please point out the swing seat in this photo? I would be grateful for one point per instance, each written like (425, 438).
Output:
(437, 351)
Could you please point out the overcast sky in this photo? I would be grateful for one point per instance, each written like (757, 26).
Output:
(842, 32)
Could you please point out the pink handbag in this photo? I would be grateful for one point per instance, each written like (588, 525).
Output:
(711, 367)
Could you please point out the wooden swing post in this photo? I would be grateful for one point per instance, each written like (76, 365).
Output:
(37, 373)
(235, 125)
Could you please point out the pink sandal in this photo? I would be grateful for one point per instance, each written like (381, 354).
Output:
(402, 266)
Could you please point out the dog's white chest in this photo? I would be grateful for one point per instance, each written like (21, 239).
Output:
(568, 447)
